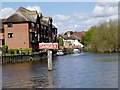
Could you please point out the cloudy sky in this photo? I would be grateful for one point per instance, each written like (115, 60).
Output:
(77, 16)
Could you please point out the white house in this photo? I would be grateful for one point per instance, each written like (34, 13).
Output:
(73, 41)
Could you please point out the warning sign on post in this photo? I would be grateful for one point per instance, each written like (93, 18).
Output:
(48, 45)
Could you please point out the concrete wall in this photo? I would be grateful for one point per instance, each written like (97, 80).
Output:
(20, 35)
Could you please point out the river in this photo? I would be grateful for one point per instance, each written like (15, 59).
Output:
(83, 70)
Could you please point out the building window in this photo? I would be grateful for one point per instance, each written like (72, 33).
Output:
(44, 27)
(41, 27)
(10, 35)
(10, 24)
(35, 34)
(32, 24)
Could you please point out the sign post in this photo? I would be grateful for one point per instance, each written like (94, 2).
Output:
(49, 46)
(49, 60)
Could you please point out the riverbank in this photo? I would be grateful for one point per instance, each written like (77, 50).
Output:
(28, 57)
(90, 50)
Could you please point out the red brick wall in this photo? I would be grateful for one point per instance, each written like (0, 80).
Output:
(20, 35)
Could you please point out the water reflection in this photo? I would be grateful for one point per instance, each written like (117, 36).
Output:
(17, 75)
(70, 71)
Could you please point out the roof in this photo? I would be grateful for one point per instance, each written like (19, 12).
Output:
(78, 35)
(69, 38)
(22, 15)
(53, 26)
(45, 20)
(75, 35)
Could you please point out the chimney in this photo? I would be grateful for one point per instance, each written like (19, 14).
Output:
(68, 34)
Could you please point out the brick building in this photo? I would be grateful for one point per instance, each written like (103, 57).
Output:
(26, 29)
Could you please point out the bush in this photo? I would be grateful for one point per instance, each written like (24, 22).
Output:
(11, 51)
(26, 51)
(23, 51)
(16, 51)
(4, 48)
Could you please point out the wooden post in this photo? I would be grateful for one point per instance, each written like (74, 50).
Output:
(49, 60)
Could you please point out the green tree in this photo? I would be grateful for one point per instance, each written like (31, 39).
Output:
(105, 37)
(60, 41)
(4, 49)
(88, 36)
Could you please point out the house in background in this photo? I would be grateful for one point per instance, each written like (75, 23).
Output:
(26, 29)
(73, 39)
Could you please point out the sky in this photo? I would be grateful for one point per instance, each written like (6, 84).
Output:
(68, 16)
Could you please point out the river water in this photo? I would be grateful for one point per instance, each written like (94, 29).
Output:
(83, 70)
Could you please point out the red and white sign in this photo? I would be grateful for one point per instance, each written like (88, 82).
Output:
(48, 45)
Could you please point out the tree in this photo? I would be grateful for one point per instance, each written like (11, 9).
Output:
(4, 48)
(88, 36)
(103, 37)
(60, 41)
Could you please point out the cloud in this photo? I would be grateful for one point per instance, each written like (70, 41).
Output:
(5, 12)
(111, 4)
(61, 18)
(108, 1)
(103, 10)
(81, 16)
(82, 21)
(34, 8)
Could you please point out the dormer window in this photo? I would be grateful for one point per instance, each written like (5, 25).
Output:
(10, 24)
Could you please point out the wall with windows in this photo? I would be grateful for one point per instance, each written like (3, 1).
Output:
(17, 35)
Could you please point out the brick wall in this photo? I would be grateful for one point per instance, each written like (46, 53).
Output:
(20, 35)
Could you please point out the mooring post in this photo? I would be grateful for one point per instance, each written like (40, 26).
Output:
(49, 60)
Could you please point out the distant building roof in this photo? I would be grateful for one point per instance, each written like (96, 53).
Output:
(74, 36)
(78, 35)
